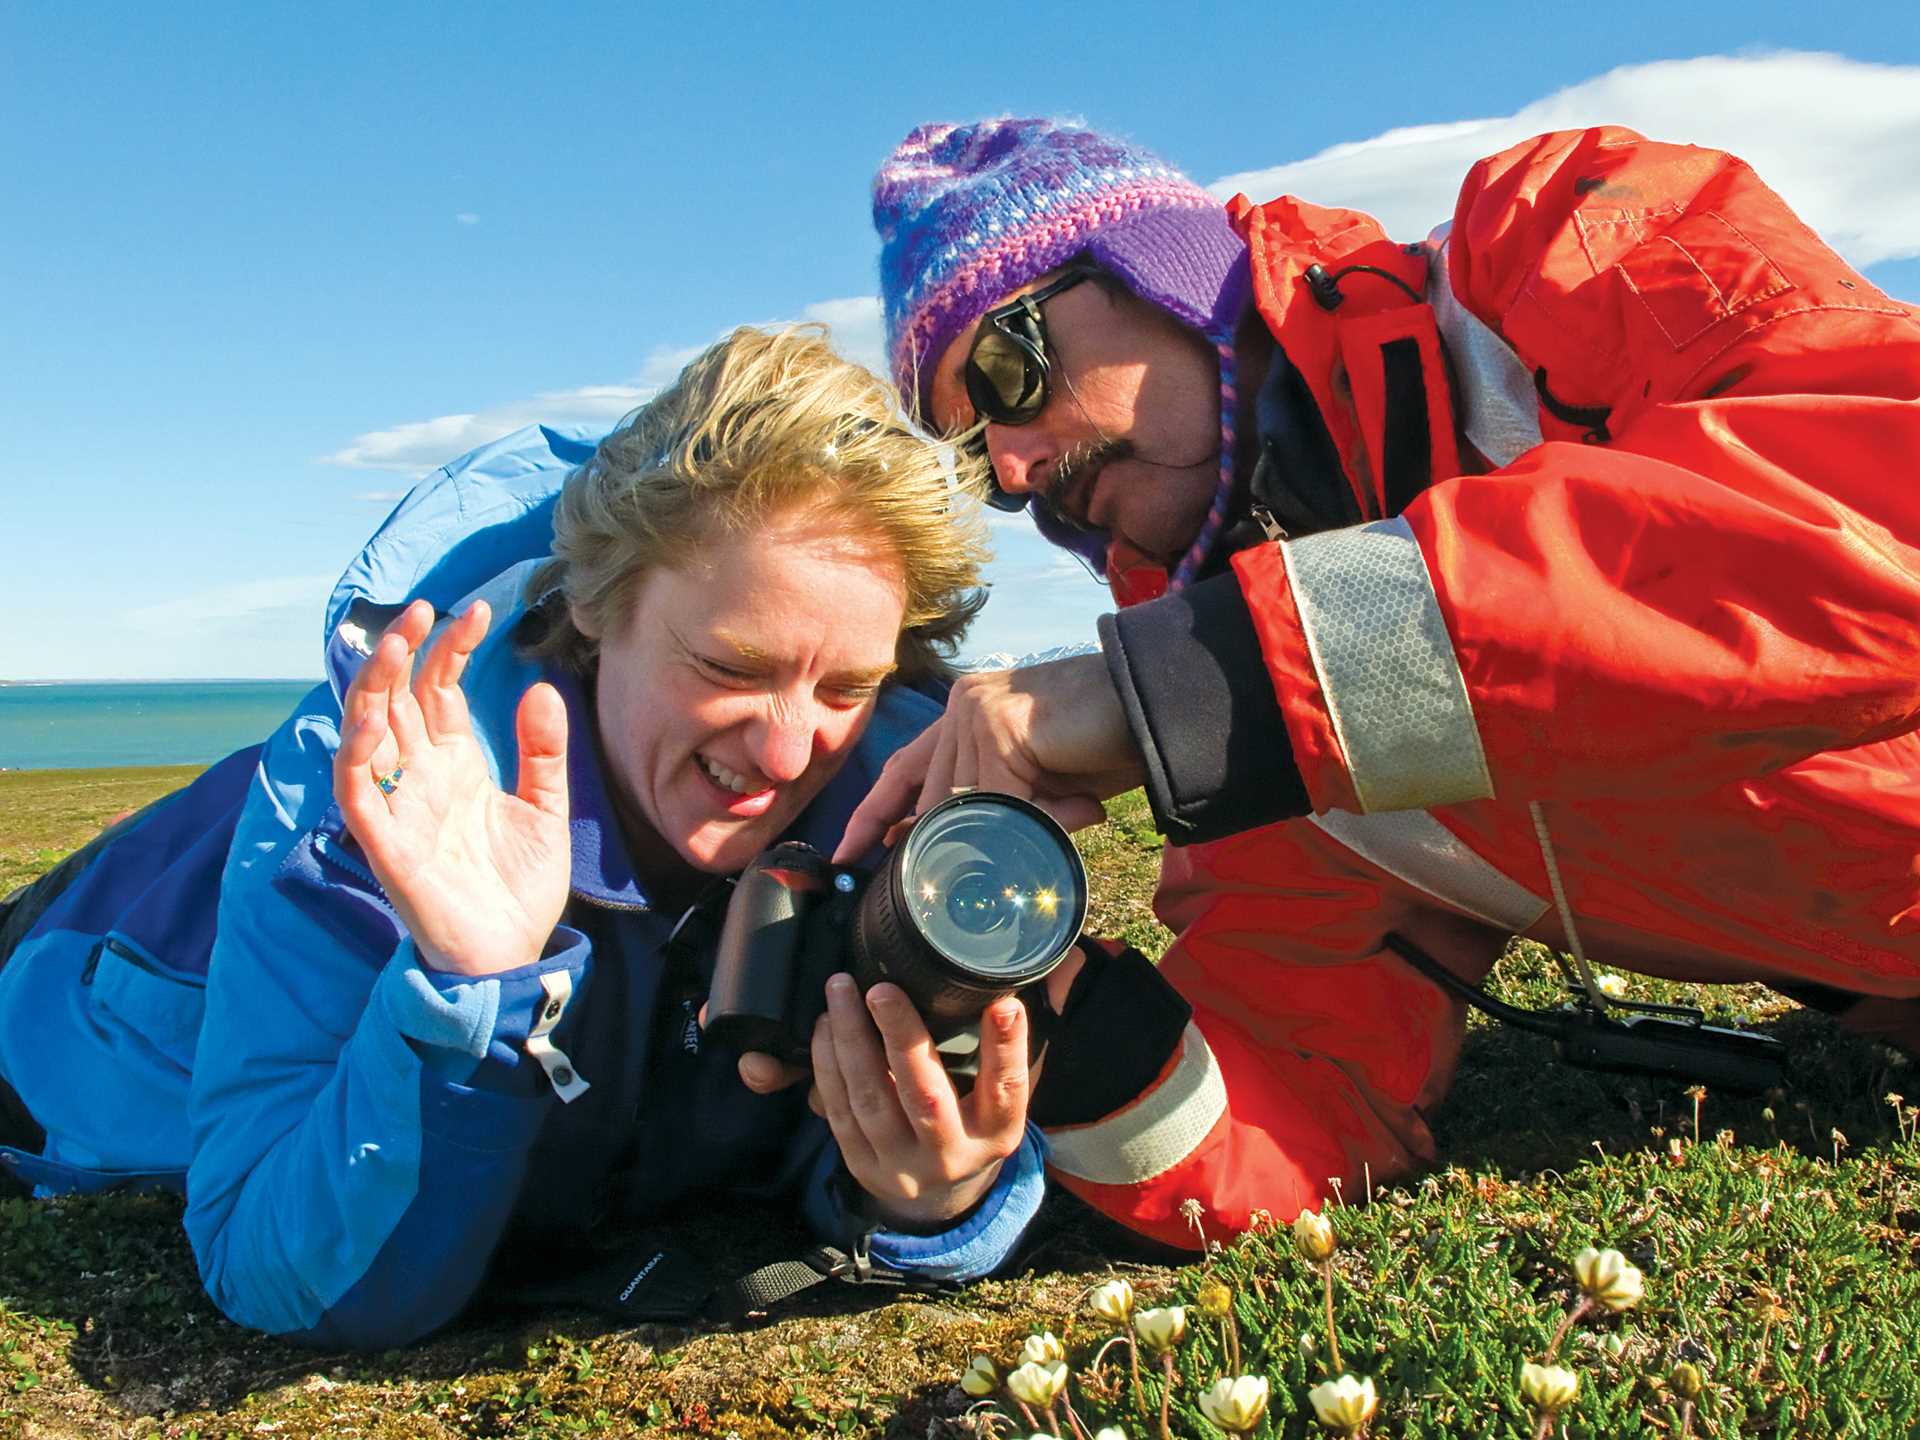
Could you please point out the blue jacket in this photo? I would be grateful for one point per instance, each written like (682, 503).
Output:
(355, 1133)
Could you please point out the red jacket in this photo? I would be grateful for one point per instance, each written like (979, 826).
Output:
(1653, 577)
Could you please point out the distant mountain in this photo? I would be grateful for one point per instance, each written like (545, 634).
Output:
(1001, 660)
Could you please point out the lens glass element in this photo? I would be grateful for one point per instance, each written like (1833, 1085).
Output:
(993, 888)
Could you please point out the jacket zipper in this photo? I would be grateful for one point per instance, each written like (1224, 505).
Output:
(138, 961)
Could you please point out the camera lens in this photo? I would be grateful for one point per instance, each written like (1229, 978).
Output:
(994, 887)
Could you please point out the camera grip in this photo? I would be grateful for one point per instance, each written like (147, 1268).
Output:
(761, 941)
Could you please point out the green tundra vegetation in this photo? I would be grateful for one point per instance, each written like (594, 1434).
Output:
(1772, 1243)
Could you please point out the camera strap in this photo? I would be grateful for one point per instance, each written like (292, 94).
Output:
(1666, 1041)
(760, 1290)
(665, 1284)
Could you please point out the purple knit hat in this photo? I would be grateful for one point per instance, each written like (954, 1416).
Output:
(967, 213)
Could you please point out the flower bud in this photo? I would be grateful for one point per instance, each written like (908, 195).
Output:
(1235, 1404)
(1160, 1330)
(1344, 1404)
(980, 1379)
(1037, 1384)
(1112, 1301)
(1313, 1236)
(1550, 1387)
(1687, 1381)
(1608, 1278)
(1042, 1349)
(1214, 1299)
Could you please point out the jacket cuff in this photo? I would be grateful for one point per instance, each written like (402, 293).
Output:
(481, 1031)
(1118, 992)
(1194, 684)
(982, 1241)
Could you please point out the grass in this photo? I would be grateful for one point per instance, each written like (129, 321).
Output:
(46, 813)
(1780, 1262)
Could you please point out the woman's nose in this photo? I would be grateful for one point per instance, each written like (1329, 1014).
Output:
(784, 741)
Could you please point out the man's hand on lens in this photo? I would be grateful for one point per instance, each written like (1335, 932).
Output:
(1054, 734)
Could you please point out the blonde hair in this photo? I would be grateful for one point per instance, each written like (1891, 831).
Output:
(760, 425)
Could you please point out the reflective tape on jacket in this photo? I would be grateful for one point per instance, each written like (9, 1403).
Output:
(1386, 667)
(1155, 1133)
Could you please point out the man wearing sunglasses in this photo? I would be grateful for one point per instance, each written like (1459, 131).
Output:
(1555, 576)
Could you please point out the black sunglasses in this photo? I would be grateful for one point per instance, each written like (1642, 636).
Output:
(1008, 367)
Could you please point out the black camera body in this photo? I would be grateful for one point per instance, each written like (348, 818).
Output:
(982, 897)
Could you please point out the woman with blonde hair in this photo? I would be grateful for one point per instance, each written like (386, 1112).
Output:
(445, 1007)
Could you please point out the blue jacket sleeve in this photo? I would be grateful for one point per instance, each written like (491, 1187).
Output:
(361, 1126)
(976, 1245)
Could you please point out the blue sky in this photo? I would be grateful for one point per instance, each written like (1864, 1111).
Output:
(265, 264)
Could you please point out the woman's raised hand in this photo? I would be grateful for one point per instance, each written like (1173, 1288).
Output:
(478, 876)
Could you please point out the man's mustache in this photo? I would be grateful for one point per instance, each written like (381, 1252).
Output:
(1076, 473)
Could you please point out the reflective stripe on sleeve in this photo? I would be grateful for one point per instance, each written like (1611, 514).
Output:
(1499, 408)
(1156, 1132)
(1418, 849)
(1386, 667)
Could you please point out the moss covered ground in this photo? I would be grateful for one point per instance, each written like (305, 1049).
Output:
(1779, 1237)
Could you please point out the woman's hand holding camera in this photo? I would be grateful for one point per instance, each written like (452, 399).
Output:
(925, 1153)
(479, 877)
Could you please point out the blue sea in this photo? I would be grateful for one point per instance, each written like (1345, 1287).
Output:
(172, 722)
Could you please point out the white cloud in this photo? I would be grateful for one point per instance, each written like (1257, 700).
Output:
(856, 327)
(1835, 136)
(258, 627)
(467, 217)
(236, 603)
(418, 446)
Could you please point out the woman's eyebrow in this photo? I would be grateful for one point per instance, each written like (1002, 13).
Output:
(754, 655)
(870, 676)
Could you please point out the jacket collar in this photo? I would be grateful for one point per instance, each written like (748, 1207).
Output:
(602, 869)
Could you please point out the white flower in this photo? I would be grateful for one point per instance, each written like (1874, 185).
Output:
(980, 1379)
(1236, 1404)
(1161, 1329)
(1042, 1349)
(1313, 1236)
(1608, 1278)
(1613, 986)
(1112, 1301)
(1551, 1387)
(1344, 1404)
(1037, 1384)
(1111, 1432)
